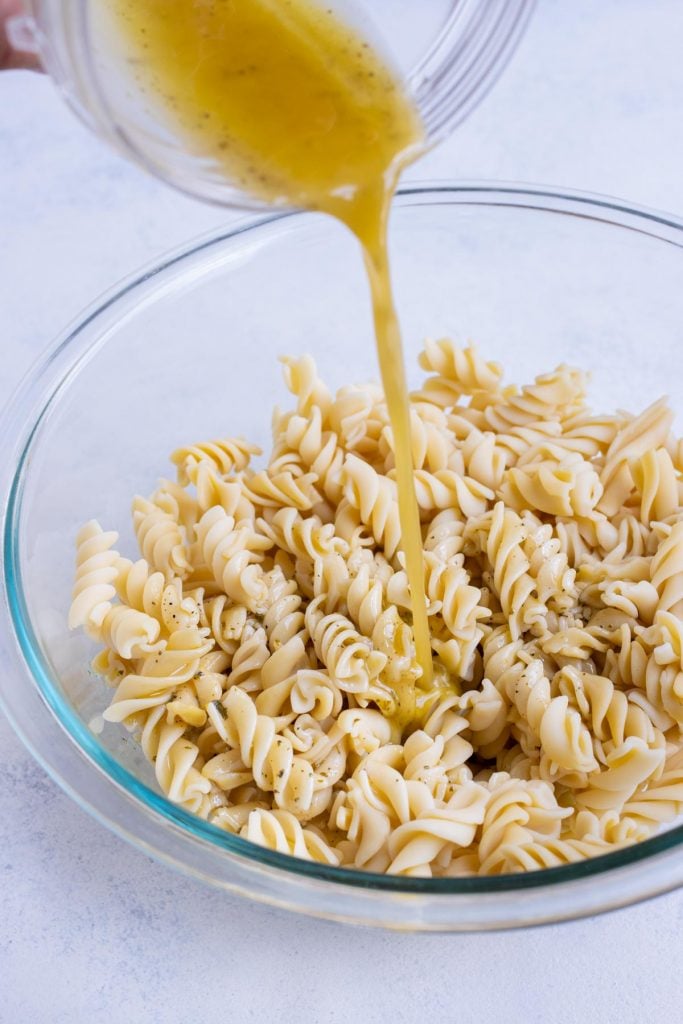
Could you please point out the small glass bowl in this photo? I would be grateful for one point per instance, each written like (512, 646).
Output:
(448, 53)
(187, 350)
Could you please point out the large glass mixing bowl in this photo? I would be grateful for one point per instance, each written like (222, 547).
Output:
(187, 350)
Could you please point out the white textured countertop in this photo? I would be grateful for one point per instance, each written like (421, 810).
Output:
(90, 929)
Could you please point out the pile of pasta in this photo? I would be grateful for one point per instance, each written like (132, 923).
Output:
(259, 648)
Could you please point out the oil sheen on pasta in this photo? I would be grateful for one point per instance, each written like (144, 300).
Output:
(295, 107)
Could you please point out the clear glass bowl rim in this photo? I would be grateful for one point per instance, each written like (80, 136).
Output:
(21, 423)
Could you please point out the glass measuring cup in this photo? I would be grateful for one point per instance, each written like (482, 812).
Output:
(448, 53)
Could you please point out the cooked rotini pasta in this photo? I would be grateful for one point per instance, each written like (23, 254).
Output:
(261, 650)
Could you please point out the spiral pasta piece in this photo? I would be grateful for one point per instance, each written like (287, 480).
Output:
(233, 553)
(553, 396)
(374, 497)
(484, 459)
(225, 456)
(666, 571)
(627, 767)
(640, 434)
(160, 539)
(304, 537)
(212, 489)
(610, 714)
(301, 377)
(657, 482)
(447, 725)
(486, 713)
(130, 633)
(248, 660)
(659, 804)
(96, 573)
(226, 621)
(139, 587)
(517, 812)
(503, 534)
(526, 442)
(566, 488)
(449, 595)
(282, 489)
(447, 489)
(319, 451)
(654, 663)
(431, 445)
(348, 656)
(281, 831)
(160, 674)
(547, 853)
(269, 756)
(416, 844)
(359, 417)
(457, 372)
(175, 763)
(284, 618)
(177, 502)
(306, 691)
(549, 566)
(365, 596)
(376, 801)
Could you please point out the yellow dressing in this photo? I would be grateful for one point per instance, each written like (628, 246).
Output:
(293, 106)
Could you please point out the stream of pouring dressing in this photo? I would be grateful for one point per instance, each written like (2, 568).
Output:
(297, 109)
